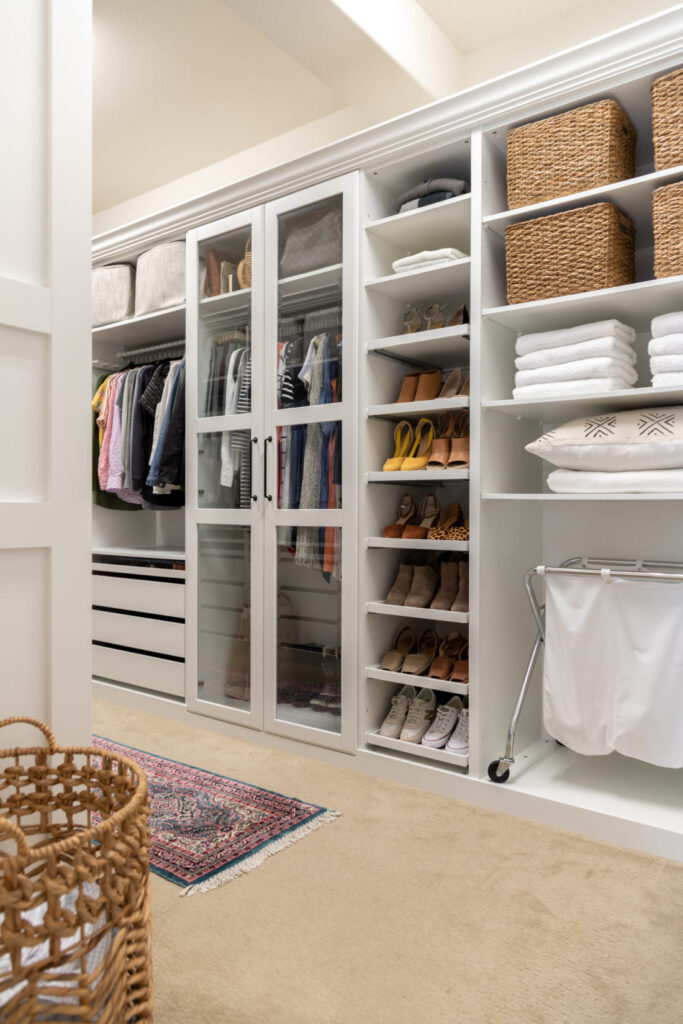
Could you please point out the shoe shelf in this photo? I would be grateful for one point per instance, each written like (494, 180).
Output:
(230, 302)
(433, 614)
(444, 347)
(429, 227)
(406, 678)
(414, 410)
(634, 304)
(664, 496)
(165, 325)
(406, 544)
(414, 476)
(557, 410)
(417, 750)
(419, 286)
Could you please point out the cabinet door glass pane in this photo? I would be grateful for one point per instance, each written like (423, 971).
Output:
(309, 466)
(224, 615)
(225, 469)
(309, 627)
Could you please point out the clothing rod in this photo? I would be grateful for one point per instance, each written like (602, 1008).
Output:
(606, 572)
(149, 350)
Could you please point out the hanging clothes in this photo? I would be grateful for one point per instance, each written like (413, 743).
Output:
(101, 497)
(307, 539)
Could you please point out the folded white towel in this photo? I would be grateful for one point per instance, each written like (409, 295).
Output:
(668, 323)
(571, 335)
(581, 369)
(424, 266)
(668, 380)
(582, 350)
(633, 481)
(431, 256)
(666, 364)
(568, 388)
(667, 345)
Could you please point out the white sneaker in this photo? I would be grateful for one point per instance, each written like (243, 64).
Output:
(459, 743)
(443, 725)
(400, 702)
(420, 714)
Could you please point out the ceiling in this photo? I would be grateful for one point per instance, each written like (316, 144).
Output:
(183, 84)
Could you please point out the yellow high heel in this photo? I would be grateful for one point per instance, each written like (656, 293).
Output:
(422, 448)
(403, 442)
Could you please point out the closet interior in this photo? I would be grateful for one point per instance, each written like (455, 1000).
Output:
(332, 333)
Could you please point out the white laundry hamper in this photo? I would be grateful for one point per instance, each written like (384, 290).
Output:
(160, 281)
(113, 293)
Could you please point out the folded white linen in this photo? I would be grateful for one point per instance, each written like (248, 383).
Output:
(609, 346)
(569, 388)
(667, 345)
(424, 266)
(571, 335)
(666, 364)
(580, 369)
(428, 255)
(667, 380)
(634, 481)
(668, 323)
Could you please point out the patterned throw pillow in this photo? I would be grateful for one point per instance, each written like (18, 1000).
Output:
(616, 441)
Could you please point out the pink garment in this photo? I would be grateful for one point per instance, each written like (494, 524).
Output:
(115, 475)
(105, 420)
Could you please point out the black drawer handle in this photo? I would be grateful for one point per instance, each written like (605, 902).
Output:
(254, 441)
(268, 497)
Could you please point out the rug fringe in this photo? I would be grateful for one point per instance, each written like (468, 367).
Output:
(256, 859)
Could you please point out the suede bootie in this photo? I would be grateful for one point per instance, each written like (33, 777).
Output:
(401, 585)
(448, 590)
(424, 586)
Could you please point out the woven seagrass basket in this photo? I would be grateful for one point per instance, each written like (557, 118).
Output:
(581, 149)
(667, 119)
(74, 886)
(565, 253)
(667, 223)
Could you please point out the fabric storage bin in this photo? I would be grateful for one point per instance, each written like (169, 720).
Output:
(565, 253)
(581, 149)
(667, 119)
(160, 278)
(113, 293)
(667, 224)
(311, 241)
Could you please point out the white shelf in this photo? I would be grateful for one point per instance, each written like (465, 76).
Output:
(165, 325)
(445, 347)
(433, 614)
(633, 304)
(314, 280)
(428, 227)
(407, 679)
(451, 280)
(414, 410)
(417, 750)
(123, 552)
(672, 496)
(230, 302)
(418, 476)
(403, 544)
(633, 197)
(547, 410)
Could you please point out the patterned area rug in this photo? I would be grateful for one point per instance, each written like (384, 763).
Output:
(207, 829)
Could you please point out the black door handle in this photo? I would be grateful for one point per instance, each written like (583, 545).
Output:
(254, 441)
(268, 497)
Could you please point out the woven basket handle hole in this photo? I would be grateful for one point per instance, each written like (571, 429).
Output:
(9, 829)
(45, 729)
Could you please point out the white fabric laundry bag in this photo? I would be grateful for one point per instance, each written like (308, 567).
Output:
(613, 667)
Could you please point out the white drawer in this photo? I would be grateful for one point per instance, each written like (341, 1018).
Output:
(139, 595)
(136, 631)
(144, 670)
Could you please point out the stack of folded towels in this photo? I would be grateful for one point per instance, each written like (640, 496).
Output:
(429, 258)
(666, 351)
(579, 360)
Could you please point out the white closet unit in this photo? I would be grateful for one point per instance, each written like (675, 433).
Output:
(265, 631)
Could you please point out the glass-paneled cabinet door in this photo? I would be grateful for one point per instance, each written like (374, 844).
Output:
(224, 519)
(309, 398)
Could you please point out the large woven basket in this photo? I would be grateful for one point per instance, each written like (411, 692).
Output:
(581, 149)
(565, 253)
(667, 223)
(667, 119)
(74, 886)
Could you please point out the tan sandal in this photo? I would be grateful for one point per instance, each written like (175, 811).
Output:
(422, 448)
(430, 510)
(450, 526)
(403, 438)
(449, 652)
(434, 316)
(461, 316)
(427, 646)
(406, 512)
(441, 445)
(454, 385)
(403, 645)
(412, 320)
(460, 673)
(460, 443)
(408, 388)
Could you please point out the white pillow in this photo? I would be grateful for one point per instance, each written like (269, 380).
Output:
(616, 441)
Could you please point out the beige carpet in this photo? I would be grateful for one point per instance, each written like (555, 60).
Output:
(409, 909)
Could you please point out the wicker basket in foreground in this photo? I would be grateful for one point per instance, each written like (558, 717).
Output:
(571, 152)
(577, 251)
(667, 119)
(74, 886)
(667, 223)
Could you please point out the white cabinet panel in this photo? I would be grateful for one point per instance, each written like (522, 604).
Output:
(142, 670)
(139, 595)
(140, 632)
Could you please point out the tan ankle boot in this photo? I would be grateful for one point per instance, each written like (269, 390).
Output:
(449, 587)
(401, 586)
(462, 601)
(424, 586)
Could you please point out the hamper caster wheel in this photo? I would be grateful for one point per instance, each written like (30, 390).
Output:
(493, 772)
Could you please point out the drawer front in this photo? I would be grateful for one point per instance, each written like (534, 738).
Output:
(141, 595)
(158, 674)
(136, 631)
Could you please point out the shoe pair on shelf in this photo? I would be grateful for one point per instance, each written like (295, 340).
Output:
(427, 448)
(425, 387)
(447, 659)
(435, 316)
(429, 522)
(414, 718)
(422, 586)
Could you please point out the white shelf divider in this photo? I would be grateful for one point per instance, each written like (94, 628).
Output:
(428, 227)
(415, 410)
(417, 750)
(445, 347)
(666, 496)
(417, 286)
(433, 614)
(164, 325)
(314, 280)
(548, 410)
(230, 302)
(406, 544)
(407, 679)
(418, 476)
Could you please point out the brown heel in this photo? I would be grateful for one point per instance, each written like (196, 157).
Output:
(406, 512)
(430, 510)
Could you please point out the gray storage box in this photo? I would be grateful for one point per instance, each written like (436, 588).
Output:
(113, 293)
(160, 279)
